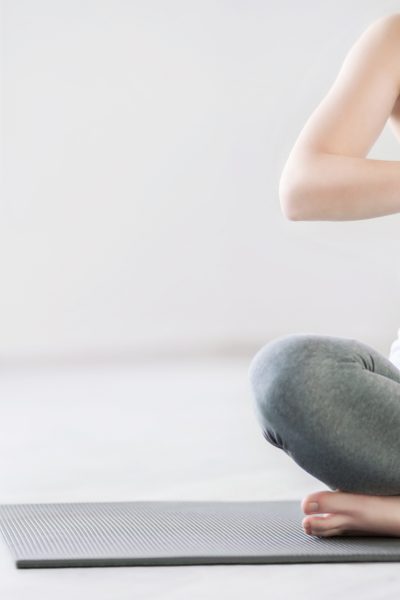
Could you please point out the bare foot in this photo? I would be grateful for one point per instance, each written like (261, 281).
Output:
(344, 513)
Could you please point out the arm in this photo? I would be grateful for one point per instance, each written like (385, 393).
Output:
(327, 175)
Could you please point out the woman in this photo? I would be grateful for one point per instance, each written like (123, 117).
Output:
(332, 403)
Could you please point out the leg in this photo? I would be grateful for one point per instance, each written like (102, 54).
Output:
(333, 405)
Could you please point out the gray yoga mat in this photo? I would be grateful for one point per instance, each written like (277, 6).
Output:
(102, 534)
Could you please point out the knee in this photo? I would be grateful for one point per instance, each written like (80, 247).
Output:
(279, 374)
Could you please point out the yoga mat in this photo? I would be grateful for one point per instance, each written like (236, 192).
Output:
(102, 534)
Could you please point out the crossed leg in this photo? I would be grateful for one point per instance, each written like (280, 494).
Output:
(333, 405)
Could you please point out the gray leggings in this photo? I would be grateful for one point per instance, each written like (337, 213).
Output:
(333, 405)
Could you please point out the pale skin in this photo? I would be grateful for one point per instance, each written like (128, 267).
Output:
(328, 177)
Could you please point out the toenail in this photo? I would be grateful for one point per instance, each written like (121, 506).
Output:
(312, 506)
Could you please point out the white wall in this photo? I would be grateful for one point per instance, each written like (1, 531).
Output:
(143, 142)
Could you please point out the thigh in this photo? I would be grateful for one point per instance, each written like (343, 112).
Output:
(333, 405)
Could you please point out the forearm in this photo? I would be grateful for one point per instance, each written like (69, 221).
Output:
(332, 187)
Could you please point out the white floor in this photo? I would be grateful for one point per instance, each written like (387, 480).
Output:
(172, 430)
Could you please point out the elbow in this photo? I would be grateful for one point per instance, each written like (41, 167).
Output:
(297, 188)
(289, 199)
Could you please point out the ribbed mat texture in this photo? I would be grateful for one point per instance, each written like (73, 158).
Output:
(94, 534)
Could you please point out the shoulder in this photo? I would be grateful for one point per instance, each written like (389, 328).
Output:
(386, 26)
(378, 46)
(391, 20)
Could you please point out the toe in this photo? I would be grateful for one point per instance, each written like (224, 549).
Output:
(323, 524)
(332, 502)
(308, 503)
(330, 533)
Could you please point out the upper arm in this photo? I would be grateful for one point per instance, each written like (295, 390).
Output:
(353, 113)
